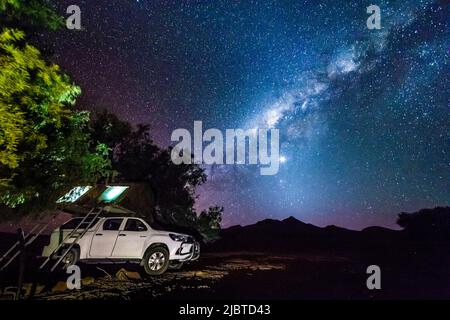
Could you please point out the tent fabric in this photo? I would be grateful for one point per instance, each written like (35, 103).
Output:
(137, 200)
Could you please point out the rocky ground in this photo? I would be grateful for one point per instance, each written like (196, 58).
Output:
(249, 275)
(130, 282)
(221, 275)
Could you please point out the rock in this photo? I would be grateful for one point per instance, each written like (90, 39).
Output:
(40, 288)
(60, 287)
(125, 275)
(8, 294)
(27, 287)
(87, 281)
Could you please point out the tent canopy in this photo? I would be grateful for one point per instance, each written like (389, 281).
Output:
(134, 199)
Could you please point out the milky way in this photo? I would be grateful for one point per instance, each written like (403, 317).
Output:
(364, 115)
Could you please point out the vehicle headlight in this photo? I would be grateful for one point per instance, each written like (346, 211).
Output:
(177, 237)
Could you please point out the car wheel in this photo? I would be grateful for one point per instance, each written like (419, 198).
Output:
(71, 258)
(156, 261)
(176, 265)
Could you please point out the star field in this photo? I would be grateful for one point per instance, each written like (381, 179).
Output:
(364, 115)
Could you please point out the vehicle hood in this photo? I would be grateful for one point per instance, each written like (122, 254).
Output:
(168, 233)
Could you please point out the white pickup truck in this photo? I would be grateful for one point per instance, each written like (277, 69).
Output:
(120, 240)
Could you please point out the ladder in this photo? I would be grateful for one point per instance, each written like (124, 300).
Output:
(28, 238)
(85, 224)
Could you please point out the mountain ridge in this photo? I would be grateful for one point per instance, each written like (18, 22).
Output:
(292, 234)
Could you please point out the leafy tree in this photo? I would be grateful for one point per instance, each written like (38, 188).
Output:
(137, 158)
(33, 99)
(45, 147)
(427, 224)
(29, 15)
(209, 223)
(109, 129)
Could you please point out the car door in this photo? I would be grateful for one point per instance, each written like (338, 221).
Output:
(105, 238)
(131, 240)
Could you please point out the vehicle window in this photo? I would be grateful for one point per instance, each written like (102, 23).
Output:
(73, 223)
(112, 224)
(135, 225)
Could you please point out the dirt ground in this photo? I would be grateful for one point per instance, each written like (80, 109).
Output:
(246, 275)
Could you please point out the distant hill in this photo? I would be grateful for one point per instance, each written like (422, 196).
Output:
(292, 234)
(425, 230)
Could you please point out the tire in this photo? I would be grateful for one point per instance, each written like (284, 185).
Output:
(156, 261)
(176, 265)
(71, 258)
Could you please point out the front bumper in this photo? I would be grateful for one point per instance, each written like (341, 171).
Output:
(188, 251)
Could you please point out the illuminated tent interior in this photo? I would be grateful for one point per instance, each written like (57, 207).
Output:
(134, 199)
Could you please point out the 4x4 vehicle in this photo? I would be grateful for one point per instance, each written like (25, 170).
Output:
(120, 240)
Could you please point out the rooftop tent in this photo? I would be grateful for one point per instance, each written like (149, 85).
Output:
(135, 199)
(74, 194)
(111, 193)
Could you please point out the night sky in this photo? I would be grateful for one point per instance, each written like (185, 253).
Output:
(364, 115)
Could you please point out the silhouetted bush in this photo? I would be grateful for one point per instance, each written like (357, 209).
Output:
(427, 224)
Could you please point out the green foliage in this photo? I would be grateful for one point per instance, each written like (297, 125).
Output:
(109, 129)
(45, 147)
(209, 223)
(69, 159)
(29, 14)
(33, 99)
